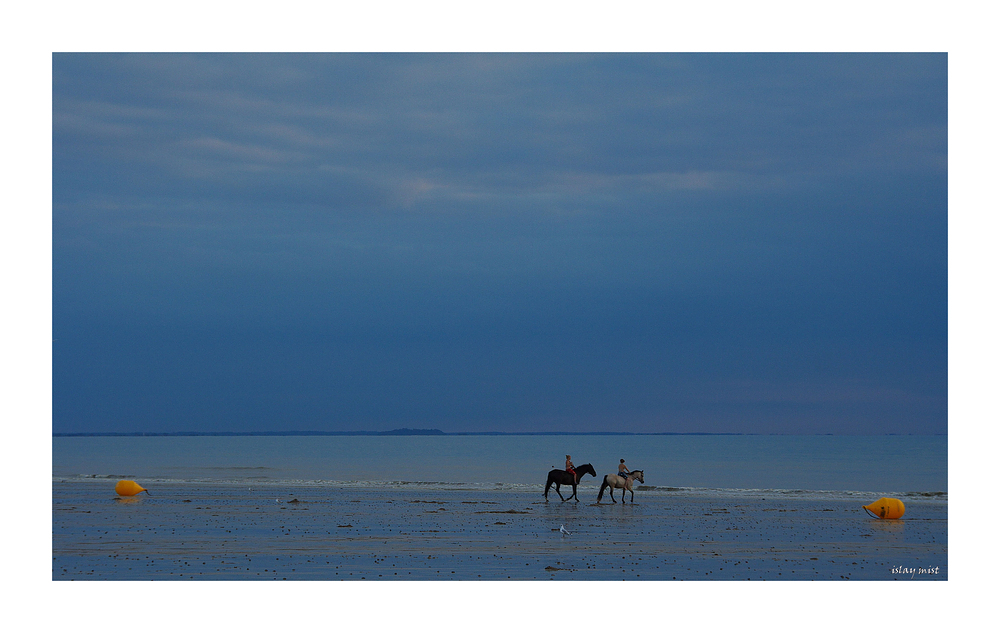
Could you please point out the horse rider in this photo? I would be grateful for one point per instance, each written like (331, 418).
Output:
(623, 470)
(570, 469)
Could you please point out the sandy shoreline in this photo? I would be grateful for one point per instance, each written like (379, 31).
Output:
(231, 532)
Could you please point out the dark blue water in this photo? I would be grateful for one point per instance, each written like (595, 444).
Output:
(799, 464)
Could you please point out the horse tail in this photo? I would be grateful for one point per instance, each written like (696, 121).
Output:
(604, 484)
(548, 484)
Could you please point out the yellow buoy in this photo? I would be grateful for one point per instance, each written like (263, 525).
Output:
(886, 508)
(128, 488)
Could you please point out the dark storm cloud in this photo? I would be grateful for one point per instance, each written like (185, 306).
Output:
(675, 242)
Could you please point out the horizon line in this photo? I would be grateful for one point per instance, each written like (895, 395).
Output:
(414, 432)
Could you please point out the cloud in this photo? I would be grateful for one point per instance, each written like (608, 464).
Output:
(619, 223)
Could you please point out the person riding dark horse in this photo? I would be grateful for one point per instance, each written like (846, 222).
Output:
(570, 469)
(567, 478)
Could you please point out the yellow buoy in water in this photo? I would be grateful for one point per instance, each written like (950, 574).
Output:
(128, 488)
(886, 508)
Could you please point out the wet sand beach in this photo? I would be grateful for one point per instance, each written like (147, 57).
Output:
(232, 532)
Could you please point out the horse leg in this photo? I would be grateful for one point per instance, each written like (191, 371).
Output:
(611, 491)
(574, 493)
(559, 493)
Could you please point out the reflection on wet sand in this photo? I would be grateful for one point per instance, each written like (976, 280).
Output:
(322, 533)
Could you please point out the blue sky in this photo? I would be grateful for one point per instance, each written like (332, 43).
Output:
(661, 243)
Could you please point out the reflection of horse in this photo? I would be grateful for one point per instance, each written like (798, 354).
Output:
(561, 477)
(625, 483)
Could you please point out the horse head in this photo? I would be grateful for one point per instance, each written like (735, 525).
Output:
(587, 469)
(638, 475)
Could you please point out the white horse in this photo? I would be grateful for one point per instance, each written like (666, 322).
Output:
(625, 483)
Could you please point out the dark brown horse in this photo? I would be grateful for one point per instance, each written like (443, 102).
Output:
(561, 477)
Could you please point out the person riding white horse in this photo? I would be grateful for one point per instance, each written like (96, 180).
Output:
(625, 483)
(623, 470)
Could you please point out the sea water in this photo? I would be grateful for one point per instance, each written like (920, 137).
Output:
(819, 466)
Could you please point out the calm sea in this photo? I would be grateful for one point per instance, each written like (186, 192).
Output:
(800, 465)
